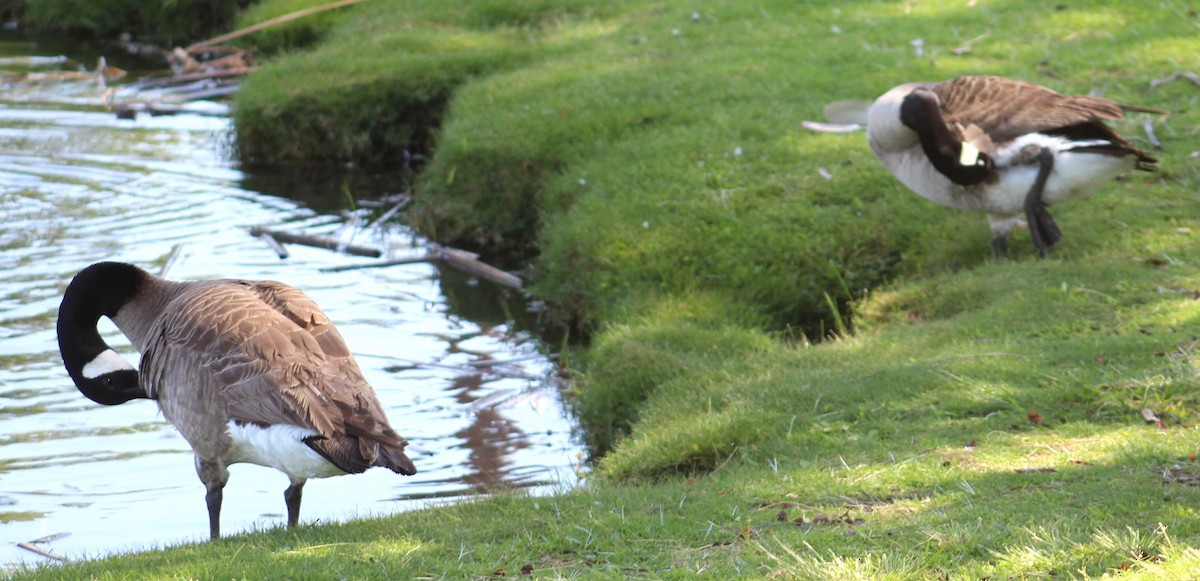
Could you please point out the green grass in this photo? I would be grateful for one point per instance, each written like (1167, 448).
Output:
(966, 419)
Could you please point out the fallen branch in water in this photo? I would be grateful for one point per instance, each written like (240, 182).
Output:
(279, 249)
(470, 369)
(208, 93)
(33, 546)
(485, 363)
(314, 241)
(467, 262)
(201, 76)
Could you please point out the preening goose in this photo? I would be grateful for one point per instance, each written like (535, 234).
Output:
(1003, 147)
(246, 371)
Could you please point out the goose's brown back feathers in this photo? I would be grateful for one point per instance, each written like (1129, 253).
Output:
(1006, 109)
(276, 359)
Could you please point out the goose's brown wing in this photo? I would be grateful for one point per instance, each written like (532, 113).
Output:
(1006, 109)
(220, 335)
(263, 346)
(371, 440)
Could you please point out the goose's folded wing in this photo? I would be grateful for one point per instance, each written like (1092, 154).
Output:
(361, 409)
(1006, 109)
(266, 367)
(275, 358)
(300, 309)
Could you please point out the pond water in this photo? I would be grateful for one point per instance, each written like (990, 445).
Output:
(470, 387)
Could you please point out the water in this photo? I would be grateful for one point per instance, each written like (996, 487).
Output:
(471, 389)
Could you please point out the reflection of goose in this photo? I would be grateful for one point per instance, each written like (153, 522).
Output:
(1001, 147)
(246, 371)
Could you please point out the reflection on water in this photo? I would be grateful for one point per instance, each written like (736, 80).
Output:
(468, 386)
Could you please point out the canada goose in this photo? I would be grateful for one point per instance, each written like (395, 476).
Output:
(246, 371)
(1001, 147)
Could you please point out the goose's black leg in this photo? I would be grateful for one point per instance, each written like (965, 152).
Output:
(1049, 230)
(291, 497)
(1042, 228)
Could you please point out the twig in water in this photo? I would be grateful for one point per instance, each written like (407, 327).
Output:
(467, 262)
(32, 546)
(495, 362)
(172, 258)
(388, 214)
(189, 77)
(275, 245)
(317, 242)
(396, 262)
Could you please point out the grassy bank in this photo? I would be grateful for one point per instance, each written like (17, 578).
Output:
(978, 419)
(988, 425)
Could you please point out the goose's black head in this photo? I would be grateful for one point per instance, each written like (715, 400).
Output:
(920, 110)
(98, 290)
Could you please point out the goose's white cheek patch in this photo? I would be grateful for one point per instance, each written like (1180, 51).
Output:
(106, 362)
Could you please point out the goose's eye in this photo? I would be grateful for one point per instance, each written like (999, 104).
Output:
(107, 380)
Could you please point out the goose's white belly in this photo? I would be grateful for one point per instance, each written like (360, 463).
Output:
(1075, 173)
(280, 447)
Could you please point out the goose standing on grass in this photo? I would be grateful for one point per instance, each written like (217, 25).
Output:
(246, 371)
(1003, 147)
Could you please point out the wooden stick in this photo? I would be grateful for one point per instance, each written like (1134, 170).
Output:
(179, 79)
(317, 242)
(414, 364)
(172, 258)
(50, 538)
(205, 94)
(388, 214)
(399, 261)
(484, 363)
(29, 546)
(270, 23)
(275, 245)
(452, 257)
(466, 262)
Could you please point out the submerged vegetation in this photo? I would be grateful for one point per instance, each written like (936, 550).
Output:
(797, 367)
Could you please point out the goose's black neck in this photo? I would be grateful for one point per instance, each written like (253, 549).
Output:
(921, 111)
(98, 290)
